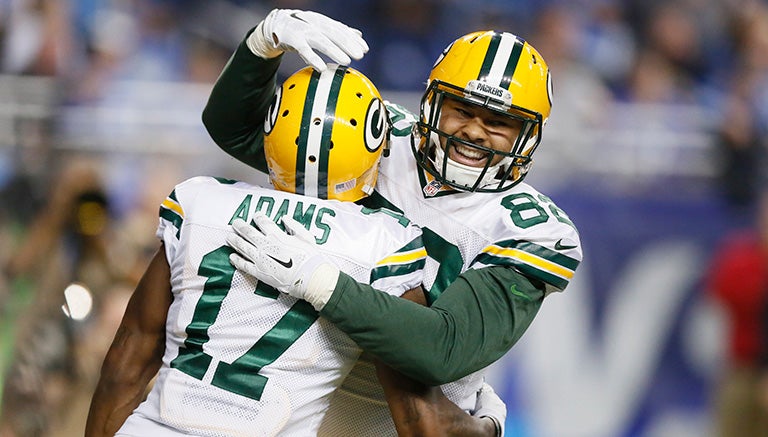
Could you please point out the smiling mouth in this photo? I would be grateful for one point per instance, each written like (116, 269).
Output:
(468, 155)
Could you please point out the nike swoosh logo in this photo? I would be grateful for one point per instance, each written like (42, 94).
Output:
(513, 289)
(560, 246)
(295, 15)
(287, 264)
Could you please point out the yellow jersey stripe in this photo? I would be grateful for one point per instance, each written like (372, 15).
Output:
(528, 258)
(401, 258)
(173, 206)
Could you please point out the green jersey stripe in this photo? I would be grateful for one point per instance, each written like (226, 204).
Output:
(391, 270)
(541, 252)
(377, 201)
(416, 243)
(225, 181)
(172, 217)
(526, 269)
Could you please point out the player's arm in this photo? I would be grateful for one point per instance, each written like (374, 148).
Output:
(421, 410)
(235, 111)
(136, 352)
(424, 411)
(234, 114)
(474, 322)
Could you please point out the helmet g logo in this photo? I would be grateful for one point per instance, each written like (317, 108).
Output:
(274, 108)
(375, 125)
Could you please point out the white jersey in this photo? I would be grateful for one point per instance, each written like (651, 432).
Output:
(242, 359)
(520, 228)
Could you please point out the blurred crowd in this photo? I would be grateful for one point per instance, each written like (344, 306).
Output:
(708, 55)
(62, 222)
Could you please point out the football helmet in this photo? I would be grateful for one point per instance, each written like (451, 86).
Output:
(497, 71)
(324, 134)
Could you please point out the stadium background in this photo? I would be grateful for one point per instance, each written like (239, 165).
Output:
(634, 151)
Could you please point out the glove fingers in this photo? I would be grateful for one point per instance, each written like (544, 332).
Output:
(297, 229)
(348, 39)
(248, 232)
(350, 44)
(246, 248)
(311, 34)
(242, 264)
(328, 24)
(267, 226)
(311, 58)
(322, 43)
(263, 269)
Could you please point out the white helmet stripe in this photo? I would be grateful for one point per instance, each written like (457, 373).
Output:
(502, 58)
(315, 134)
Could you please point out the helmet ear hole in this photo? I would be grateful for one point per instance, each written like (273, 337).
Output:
(312, 158)
(285, 113)
(316, 121)
(353, 122)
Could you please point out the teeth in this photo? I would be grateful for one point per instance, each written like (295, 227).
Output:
(470, 152)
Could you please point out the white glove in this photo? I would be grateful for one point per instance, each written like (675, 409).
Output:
(284, 30)
(288, 261)
(489, 404)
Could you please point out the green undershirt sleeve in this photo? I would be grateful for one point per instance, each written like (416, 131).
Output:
(473, 323)
(235, 111)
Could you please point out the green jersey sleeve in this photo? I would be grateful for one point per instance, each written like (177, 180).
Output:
(235, 111)
(473, 323)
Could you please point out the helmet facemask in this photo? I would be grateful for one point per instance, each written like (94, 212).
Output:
(435, 144)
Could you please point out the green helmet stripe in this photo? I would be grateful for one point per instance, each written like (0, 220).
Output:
(490, 55)
(499, 51)
(514, 58)
(306, 119)
(325, 148)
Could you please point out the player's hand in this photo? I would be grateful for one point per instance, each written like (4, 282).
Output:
(306, 33)
(287, 260)
(489, 404)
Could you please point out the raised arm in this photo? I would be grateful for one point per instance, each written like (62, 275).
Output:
(234, 114)
(136, 352)
(240, 98)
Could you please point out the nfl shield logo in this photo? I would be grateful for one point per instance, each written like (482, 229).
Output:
(432, 188)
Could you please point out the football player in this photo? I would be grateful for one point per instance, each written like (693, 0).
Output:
(496, 246)
(232, 355)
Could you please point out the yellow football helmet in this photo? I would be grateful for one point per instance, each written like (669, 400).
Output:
(324, 134)
(497, 71)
